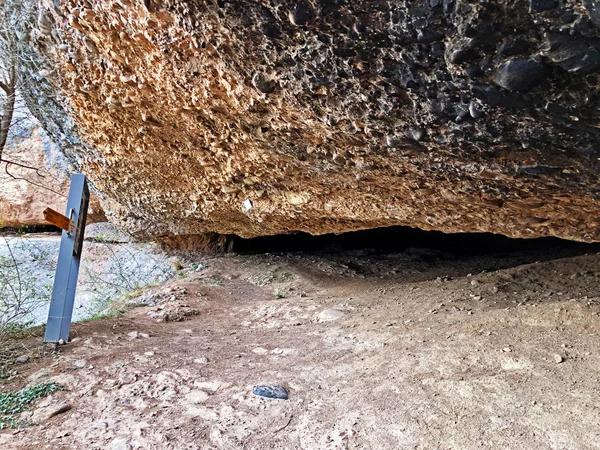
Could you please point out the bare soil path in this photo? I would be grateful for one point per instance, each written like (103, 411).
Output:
(411, 350)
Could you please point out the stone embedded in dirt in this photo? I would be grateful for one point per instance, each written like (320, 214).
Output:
(329, 315)
(543, 5)
(558, 358)
(120, 443)
(196, 396)
(520, 74)
(80, 363)
(201, 360)
(45, 413)
(174, 314)
(275, 391)
(133, 335)
(22, 359)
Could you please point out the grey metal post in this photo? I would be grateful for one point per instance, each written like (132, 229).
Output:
(67, 268)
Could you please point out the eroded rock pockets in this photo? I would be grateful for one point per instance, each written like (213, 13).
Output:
(266, 117)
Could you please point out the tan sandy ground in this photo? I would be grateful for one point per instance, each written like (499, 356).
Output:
(424, 356)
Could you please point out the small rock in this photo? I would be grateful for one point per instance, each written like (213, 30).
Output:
(101, 425)
(133, 334)
(543, 5)
(475, 111)
(201, 360)
(474, 282)
(22, 359)
(80, 363)
(520, 74)
(276, 391)
(416, 134)
(507, 349)
(462, 55)
(512, 47)
(43, 414)
(176, 265)
(329, 314)
(558, 358)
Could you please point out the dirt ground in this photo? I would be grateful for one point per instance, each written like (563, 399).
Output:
(419, 349)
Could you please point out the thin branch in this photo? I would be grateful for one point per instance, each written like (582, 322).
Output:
(24, 166)
(14, 177)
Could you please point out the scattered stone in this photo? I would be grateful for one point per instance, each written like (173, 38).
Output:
(120, 443)
(196, 396)
(512, 47)
(475, 111)
(176, 265)
(474, 283)
(22, 359)
(543, 5)
(46, 413)
(201, 360)
(575, 55)
(80, 363)
(133, 335)
(329, 315)
(558, 358)
(520, 74)
(462, 55)
(36, 377)
(276, 391)
(101, 425)
(416, 134)
(507, 349)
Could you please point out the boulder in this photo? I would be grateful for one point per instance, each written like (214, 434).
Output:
(257, 118)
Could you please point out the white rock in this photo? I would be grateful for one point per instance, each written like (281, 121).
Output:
(329, 315)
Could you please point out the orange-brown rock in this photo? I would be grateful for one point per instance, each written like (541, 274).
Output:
(262, 117)
(25, 192)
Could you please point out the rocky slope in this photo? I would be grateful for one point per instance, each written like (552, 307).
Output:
(262, 117)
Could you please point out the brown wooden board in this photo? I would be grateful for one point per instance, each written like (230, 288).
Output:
(56, 218)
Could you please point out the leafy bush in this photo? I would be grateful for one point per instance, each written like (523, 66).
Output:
(20, 290)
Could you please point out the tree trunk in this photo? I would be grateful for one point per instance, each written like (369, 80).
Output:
(9, 107)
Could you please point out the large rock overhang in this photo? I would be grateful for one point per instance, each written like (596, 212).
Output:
(266, 117)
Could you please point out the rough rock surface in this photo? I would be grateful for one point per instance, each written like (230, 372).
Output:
(262, 117)
(25, 193)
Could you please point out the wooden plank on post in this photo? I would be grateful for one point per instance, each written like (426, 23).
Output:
(57, 219)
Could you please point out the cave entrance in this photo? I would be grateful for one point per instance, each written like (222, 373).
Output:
(396, 250)
(397, 239)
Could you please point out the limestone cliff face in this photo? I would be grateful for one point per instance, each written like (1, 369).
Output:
(262, 117)
(24, 192)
